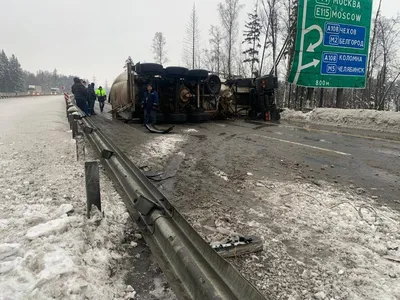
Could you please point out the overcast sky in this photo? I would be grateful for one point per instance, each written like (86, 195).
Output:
(94, 37)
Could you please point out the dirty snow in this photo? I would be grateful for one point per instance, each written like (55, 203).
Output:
(334, 241)
(48, 249)
(352, 118)
(190, 130)
(320, 242)
(220, 174)
(162, 146)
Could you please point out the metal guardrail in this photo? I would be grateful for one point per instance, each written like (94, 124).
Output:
(19, 95)
(193, 269)
(12, 95)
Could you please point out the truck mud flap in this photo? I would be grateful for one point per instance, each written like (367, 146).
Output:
(153, 129)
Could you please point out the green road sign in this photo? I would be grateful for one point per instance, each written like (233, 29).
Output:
(332, 43)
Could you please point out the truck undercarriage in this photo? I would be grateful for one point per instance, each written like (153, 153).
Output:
(192, 95)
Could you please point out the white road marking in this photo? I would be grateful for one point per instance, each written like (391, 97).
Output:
(303, 145)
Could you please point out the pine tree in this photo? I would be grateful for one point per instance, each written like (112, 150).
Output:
(16, 75)
(252, 38)
(55, 79)
(4, 77)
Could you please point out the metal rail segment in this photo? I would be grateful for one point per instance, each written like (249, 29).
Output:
(193, 269)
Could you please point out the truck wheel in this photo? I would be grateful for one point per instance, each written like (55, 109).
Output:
(149, 69)
(177, 118)
(176, 72)
(200, 74)
(213, 84)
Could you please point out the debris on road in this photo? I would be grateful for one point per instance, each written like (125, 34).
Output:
(238, 246)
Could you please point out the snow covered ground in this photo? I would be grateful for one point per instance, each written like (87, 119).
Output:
(48, 249)
(339, 241)
(352, 118)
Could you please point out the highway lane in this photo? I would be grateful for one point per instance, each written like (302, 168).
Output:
(363, 160)
(371, 163)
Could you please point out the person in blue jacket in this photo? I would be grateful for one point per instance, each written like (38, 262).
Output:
(150, 104)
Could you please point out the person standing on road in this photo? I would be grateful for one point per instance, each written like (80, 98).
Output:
(80, 93)
(91, 99)
(149, 104)
(101, 96)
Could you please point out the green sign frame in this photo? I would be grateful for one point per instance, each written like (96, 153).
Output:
(332, 43)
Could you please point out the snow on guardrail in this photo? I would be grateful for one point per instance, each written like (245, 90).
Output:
(352, 118)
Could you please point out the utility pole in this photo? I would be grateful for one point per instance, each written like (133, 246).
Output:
(94, 79)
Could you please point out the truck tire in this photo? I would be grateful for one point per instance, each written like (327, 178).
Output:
(149, 69)
(177, 118)
(176, 72)
(199, 117)
(213, 84)
(199, 74)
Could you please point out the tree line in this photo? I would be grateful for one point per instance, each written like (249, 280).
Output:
(267, 44)
(14, 79)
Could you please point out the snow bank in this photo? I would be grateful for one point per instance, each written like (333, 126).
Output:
(48, 249)
(352, 118)
(51, 227)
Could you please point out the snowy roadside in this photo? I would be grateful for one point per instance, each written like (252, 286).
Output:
(48, 249)
(320, 242)
(350, 118)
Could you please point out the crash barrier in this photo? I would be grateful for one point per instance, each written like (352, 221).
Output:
(12, 95)
(18, 95)
(193, 269)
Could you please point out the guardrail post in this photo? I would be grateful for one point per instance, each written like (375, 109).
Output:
(92, 178)
(74, 128)
(80, 148)
(70, 120)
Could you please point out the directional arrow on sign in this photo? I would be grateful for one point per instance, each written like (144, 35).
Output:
(314, 63)
(311, 47)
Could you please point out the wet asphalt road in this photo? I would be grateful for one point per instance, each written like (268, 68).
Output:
(352, 158)
(366, 161)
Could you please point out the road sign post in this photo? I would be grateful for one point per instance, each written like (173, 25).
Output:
(332, 43)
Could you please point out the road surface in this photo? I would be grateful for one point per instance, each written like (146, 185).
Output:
(326, 203)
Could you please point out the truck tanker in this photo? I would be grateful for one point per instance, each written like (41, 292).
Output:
(191, 95)
(184, 95)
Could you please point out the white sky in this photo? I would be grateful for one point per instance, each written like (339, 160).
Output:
(94, 37)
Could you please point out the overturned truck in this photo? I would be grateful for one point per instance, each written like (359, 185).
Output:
(191, 95)
(184, 95)
(252, 98)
